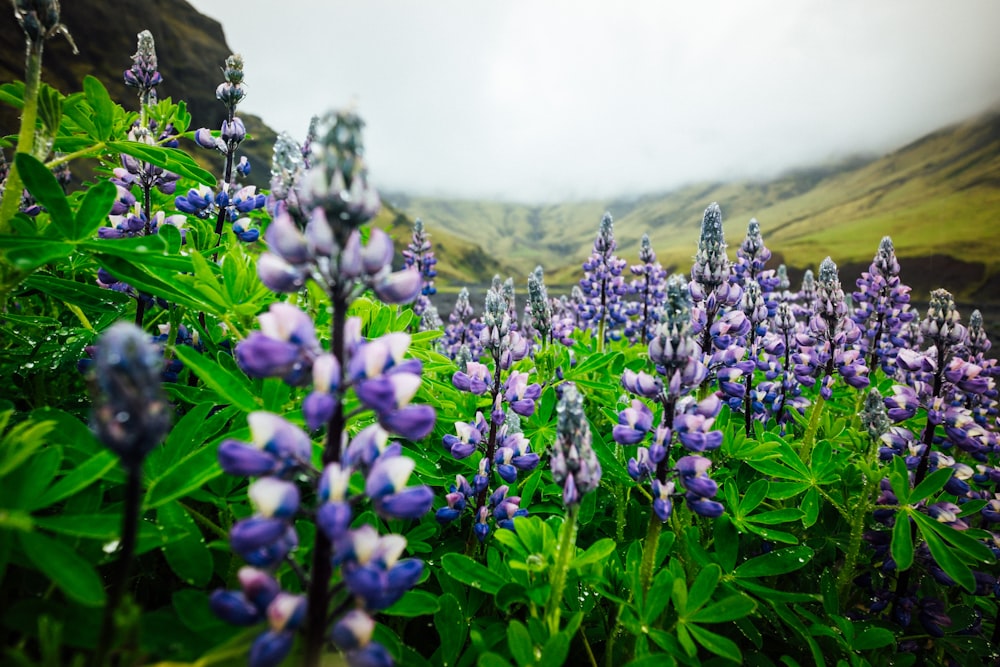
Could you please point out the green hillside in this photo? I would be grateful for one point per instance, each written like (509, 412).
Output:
(938, 197)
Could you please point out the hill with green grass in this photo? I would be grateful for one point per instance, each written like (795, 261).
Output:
(937, 197)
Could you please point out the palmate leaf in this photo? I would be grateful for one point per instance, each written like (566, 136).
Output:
(901, 547)
(171, 159)
(230, 388)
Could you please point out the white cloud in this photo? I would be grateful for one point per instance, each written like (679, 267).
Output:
(542, 100)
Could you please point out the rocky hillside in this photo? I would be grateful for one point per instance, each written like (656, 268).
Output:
(191, 49)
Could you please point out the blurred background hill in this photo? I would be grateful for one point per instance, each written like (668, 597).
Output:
(937, 196)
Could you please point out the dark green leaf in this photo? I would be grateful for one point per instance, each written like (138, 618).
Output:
(899, 480)
(94, 210)
(716, 643)
(702, 588)
(902, 542)
(100, 102)
(188, 556)
(810, 507)
(755, 494)
(67, 570)
(469, 572)
(449, 621)
(597, 552)
(931, 484)
(46, 189)
(727, 609)
(230, 388)
(871, 638)
(414, 603)
(34, 478)
(184, 477)
(80, 294)
(555, 651)
(781, 561)
(82, 476)
(27, 253)
(520, 644)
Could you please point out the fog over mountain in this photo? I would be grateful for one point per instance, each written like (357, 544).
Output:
(542, 101)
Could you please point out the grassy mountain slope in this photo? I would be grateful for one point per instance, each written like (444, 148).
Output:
(938, 197)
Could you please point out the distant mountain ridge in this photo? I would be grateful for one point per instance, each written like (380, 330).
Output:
(937, 197)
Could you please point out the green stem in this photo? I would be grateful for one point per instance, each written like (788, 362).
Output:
(567, 548)
(130, 529)
(649, 549)
(844, 581)
(813, 426)
(26, 137)
(318, 598)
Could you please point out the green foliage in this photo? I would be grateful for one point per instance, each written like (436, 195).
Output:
(761, 584)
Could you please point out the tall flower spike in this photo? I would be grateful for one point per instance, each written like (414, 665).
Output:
(144, 74)
(574, 464)
(539, 305)
(337, 181)
(711, 265)
(602, 285)
(131, 413)
(649, 286)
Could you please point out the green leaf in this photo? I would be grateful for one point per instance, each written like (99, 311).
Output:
(21, 441)
(451, 626)
(67, 570)
(231, 389)
(94, 209)
(555, 651)
(84, 295)
(34, 478)
(520, 644)
(100, 102)
(188, 556)
(597, 552)
(899, 480)
(171, 159)
(931, 484)
(727, 543)
(142, 279)
(871, 638)
(727, 609)
(901, 547)
(781, 561)
(703, 587)
(810, 507)
(716, 643)
(754, 496)
(414, 603)
(43, 185)
(469, 572)
(184, 477)
(27, 253)
(82, 476)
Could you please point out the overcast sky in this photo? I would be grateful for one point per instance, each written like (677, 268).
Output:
(532, 100)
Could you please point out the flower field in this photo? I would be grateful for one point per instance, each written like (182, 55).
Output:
(236, 429)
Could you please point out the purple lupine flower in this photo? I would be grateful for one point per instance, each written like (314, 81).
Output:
(144, 73)
(372, 569)
(830, 343)
(882, 308)
(603, 287)
(353, 635)
(462, 329)
(386, 486)
(285, 346)
(574, 464)
(712, 288)
(649, 285)
(277, 447)
(420, 255)
(539, 308)
(337, 182)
